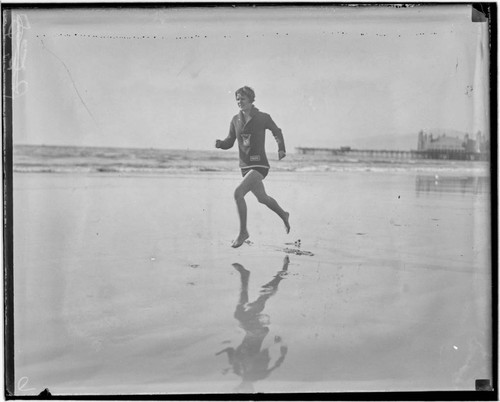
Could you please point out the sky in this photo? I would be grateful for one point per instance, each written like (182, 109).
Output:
(367, 77)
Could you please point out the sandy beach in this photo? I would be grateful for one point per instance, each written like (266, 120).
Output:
(127, 284)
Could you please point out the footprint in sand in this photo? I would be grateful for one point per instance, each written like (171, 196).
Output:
(297, 252)
(296, 243)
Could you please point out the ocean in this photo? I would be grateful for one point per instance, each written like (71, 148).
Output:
(71, 159)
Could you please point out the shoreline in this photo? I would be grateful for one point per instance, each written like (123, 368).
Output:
(384, 168)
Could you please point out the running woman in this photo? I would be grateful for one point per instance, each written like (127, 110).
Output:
(249, 128)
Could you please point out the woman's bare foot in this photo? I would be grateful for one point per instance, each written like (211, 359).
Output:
(245, 273)
(287, 223)
(240, 240)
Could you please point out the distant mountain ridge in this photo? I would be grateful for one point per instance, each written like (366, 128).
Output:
(403, 142)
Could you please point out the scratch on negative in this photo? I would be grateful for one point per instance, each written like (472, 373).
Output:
(72, 80)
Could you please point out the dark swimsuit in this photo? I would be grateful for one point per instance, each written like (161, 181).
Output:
(261, 170)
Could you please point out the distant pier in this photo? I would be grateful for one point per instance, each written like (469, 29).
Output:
(452, 154)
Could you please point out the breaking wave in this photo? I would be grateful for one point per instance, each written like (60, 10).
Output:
(57, 159)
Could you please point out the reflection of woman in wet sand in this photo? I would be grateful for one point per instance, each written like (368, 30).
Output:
(248, 360)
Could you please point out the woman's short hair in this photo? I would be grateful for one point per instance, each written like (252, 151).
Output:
(247, 91)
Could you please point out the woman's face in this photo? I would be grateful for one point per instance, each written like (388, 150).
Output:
(243, 102)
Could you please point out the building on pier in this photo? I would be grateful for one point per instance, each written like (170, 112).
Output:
(428, 147)
(446, 147)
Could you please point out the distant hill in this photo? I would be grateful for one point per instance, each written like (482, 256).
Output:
(449, 133)
(403, 142)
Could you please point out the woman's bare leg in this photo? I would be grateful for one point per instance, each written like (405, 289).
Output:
(250, 180)
(260, 192)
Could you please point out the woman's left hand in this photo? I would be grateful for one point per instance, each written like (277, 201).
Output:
(281, 154)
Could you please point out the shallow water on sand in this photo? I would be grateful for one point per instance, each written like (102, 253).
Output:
(128, 284)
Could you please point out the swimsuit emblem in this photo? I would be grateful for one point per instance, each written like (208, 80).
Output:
(246, 139)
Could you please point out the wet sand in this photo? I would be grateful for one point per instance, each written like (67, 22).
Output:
(128, 285)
